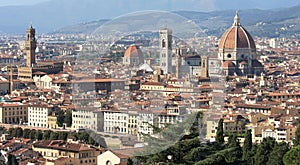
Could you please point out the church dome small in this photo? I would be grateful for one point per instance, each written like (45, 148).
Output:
(133, 51)
(228, 64)
(236, 37)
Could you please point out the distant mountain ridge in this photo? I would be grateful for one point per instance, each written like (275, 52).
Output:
(55, 15)
(263, 23)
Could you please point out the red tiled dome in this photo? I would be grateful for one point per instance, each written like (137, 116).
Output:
(133, 51)
(243, 63)
(228, 64)
(236, 37)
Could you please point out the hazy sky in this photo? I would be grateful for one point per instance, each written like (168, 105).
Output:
(20, 2)
(202, 4)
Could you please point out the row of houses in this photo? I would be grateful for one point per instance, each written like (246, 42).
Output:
(59, 152)
(115, 121)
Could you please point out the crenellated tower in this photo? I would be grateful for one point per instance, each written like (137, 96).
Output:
(30, 45)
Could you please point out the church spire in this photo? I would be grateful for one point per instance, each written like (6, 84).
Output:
(236, 19)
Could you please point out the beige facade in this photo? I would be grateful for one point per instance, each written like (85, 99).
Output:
(211, 128)
(52, 122)
(12, 113)
(133, 123)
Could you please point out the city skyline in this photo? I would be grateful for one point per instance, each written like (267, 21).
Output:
(155, 86)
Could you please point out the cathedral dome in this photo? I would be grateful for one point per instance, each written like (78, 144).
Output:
(236, 37)
(228, 64)
(133, 51)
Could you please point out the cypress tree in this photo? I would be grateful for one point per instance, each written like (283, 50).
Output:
(296, 141)
(220, 132)
(247, 145)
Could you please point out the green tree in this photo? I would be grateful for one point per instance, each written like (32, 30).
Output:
(292, 157)
(215, 159)
(62, 135)
(46, 135)
(12, 160)
(220, 132)
(174, 140)
(54, 136)
(233, 141)
(91, 141)
(263, 151)
(83, 136)
(247, 147)
(129, 162)
(32, 134)
(68, 118)
(26, 133)
(276, 156)
(10, 131)
(39, 135)
(60, 117)
(19, 132)
(296, 141)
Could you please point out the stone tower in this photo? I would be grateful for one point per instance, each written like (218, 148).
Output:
(165, 38)
(178, 64)
(30, 45)
(204, 66)
(11, 85)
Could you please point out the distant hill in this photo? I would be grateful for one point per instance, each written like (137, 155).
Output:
(52, 15)
(263, 23)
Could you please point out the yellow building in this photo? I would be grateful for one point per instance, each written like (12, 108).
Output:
(52, 122)
(57, 149)
(13, 113)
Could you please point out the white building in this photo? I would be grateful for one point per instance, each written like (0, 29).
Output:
(86, 118)
(133, 122)
(268, 133)
(274, 43)
(38, 115)
(115, 121)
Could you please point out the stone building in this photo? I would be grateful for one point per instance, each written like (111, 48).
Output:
(27, 72)
(237, 51)
(133, 56)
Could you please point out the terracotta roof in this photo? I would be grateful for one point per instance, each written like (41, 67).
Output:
(228, 64)
(236, 37)
(133, 51)
(243, 63)
(61, 145)
(97, 80)
(39, 73)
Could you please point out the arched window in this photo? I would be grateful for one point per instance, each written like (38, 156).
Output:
(163, 43)
(108, 162)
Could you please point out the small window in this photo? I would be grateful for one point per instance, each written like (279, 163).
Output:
(228, 55)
